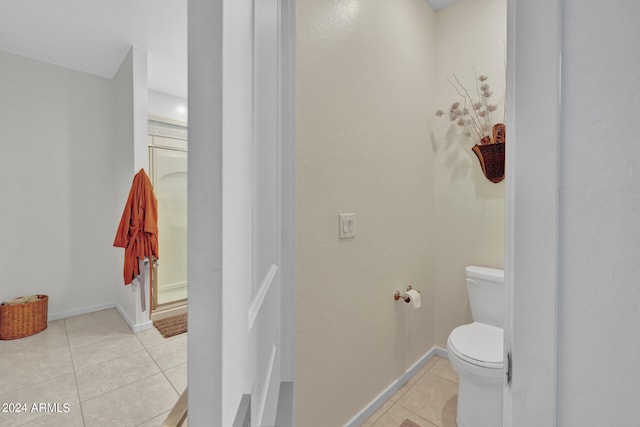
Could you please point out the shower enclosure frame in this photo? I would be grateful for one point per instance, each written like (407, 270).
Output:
(177, 131)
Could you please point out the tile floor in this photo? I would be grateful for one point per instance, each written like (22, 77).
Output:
(429, 399)
(96, 370)
(105, 375)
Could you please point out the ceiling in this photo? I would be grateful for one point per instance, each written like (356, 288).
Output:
(94, 36)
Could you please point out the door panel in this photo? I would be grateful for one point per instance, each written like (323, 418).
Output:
(169, 177)
(238, 341)
(265, 308)
(266, 147)
(531, 220)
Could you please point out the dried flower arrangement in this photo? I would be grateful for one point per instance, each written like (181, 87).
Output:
(475, 115)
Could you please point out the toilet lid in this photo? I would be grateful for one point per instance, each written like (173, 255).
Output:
(478, 344)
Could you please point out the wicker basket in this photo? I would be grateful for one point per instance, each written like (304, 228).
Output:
(22, 320)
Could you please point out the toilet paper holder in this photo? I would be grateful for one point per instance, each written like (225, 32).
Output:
(406, 298)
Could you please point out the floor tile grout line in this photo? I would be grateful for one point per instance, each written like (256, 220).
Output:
(169, 339)
(14, 390)
(124, 385)
(446, 379)
(114, 357)
(139, 379)
(81, 327)
(154, 359)
(75, 376)
(36, 385)
(163, 370)
(433, 422)
(62, 340)
(155, 416)
(397, 402)
(109, 360)
(120, 387)
(172, 385)
(381, 415)
(165, 374)
(417, 377)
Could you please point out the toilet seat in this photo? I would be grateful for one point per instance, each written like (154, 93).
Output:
(478, 344)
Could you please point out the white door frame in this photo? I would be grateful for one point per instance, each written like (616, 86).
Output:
(531, 273)
(287, 67)
(534, 32)
(204, 212)
(209, 36)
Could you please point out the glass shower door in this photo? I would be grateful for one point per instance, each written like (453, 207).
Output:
(169, 178)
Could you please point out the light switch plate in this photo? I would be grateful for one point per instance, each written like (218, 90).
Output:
(346, 225)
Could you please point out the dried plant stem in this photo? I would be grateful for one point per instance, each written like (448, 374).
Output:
(474, 116)
(477, 122)
(485, 102)
(476, 129)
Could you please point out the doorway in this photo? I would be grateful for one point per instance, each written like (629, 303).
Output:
(168, 168)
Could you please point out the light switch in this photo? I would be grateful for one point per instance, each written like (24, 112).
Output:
(346, 225)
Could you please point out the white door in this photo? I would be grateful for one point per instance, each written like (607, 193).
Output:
(264, 308)
(531, 233)
(241, 221)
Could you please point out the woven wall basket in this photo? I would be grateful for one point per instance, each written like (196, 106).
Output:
(22, 320)
(491, 157)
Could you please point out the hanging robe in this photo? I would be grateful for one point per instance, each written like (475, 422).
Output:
(138, 229)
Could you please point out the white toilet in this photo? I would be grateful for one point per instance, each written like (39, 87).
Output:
(475, 351)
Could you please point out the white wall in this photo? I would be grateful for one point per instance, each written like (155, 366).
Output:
(167, 106)
(130, 144)
(365, 73)
(471, 35)
(60, 208)
(598, 344)
(140, 112)
(74, 140)
(127, 297)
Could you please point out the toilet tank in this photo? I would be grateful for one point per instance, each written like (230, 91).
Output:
(485, 287)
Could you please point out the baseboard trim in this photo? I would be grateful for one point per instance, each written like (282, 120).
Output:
(167, 287)
(386, 394)
(440, 352)
(79, 311)
(134, 327)
(86, 310)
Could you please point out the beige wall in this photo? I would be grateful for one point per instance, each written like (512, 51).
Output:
(364, 70)
(370, 75)
(469, 209)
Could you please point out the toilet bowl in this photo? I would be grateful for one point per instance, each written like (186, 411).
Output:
(476, 351)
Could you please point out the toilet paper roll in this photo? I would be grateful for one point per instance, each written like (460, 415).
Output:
(414, 297)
